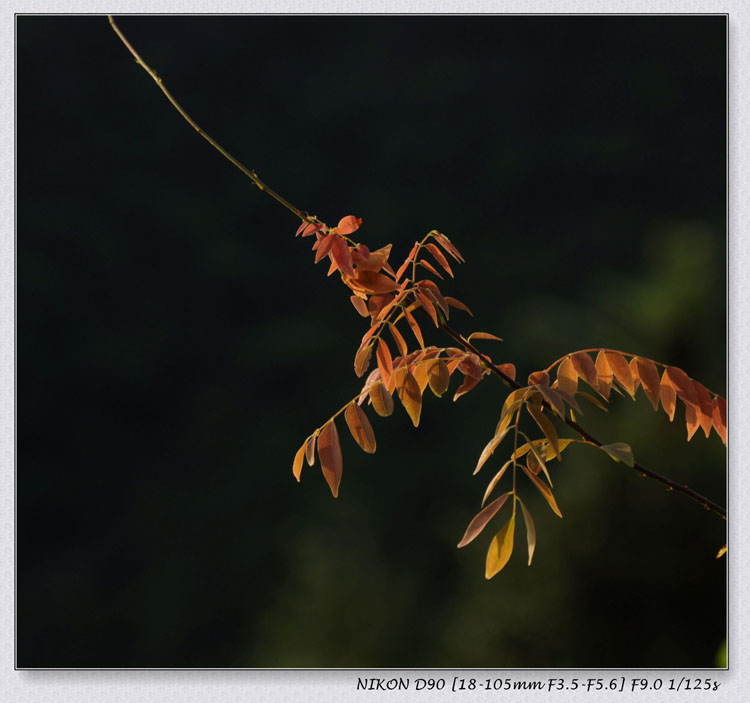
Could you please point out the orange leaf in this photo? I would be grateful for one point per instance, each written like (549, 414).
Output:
(432, 290)
(438, 376)
(481, 519)
(329, 451)
(500, 549)
(381, 399)
(509, 370)
(668, 396)
(362, 359)
(683, 384)
(360, 427)
(360, 305)
(342, 256)
(297, 463)
(410, 397)
(538, 377)
(428, 306)
(650, 380)
(706, 408)
(454, 303)
(544, 490)
(584, 366)
(490, 448)
(385, 362)
(326, 243)
(348, 224)
(400, 342)
(307, 229)
(439, 257)
(374, 282)
(310, 451)
(375, 260)
(448, 245)
(720, 417)
(414, 327)
(483, 335)
(378, 303)
(407, 261)
(691, 420)
(604, 374)
(470, 382)
(429, 267)
(621, 370)
(567, 377)
(495, 479)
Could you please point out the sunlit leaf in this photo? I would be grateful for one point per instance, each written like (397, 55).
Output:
(585, 368)
(538, 378)
(438, 377)
(683, 384)
(483, 335)
(374, 282)
(619, 451)
(375, 260)
(329, 452)
(691, 420)
(398, 339)
(325, 246)
(385, 362)
(362, 359)
(544, 489)
(500, 549)
(414, 327)
(310, 450)
(481, 519)
(428, 306)
(342, 256)
(470, 382)
(553, 397)
(668, 396)
(307, 229)
(448, 245)
(381, 399)
(439, 257)
(495, 479)
(706, 406)
(348, 224)
(547, 427)
(721, 552)
(530, 530)
(429, 267)
(410, 397)
(649, 377)
(430, 288)
(621, 370)
(604, 374)
(360, 427)
(490, 448)
(455, 303)
(360, 305)
(567, 376)
(719, 417)
(299, 458)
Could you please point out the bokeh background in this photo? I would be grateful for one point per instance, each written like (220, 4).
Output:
(176, 344)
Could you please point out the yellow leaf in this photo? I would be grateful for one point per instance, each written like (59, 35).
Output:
(500, 549)
(381, 399)
(547, 427)
(410, 396)
(619, 451)
(495, 479)
(360, 427)
(530, 530)
(722, 552)
(544, 489)
(481, 519)
(567, 378)
(297, 463)
(438, 376)
(490, 448)
(329, 451)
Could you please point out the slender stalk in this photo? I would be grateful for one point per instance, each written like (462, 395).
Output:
(251, 174)
(512, 383)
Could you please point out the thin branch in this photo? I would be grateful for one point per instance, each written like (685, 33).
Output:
(512, 383)
(251, 174)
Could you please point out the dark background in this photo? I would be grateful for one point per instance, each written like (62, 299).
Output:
(176, 344)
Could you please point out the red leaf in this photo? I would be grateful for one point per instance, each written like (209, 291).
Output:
(439, 257)
(481, 519)
(373, 282)
(385, 363)
(342, 256)
(428, 306)
(360, 305)
(326, 243)
(414, 327)
(329, 451)
(348, 224)
(400, 342)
